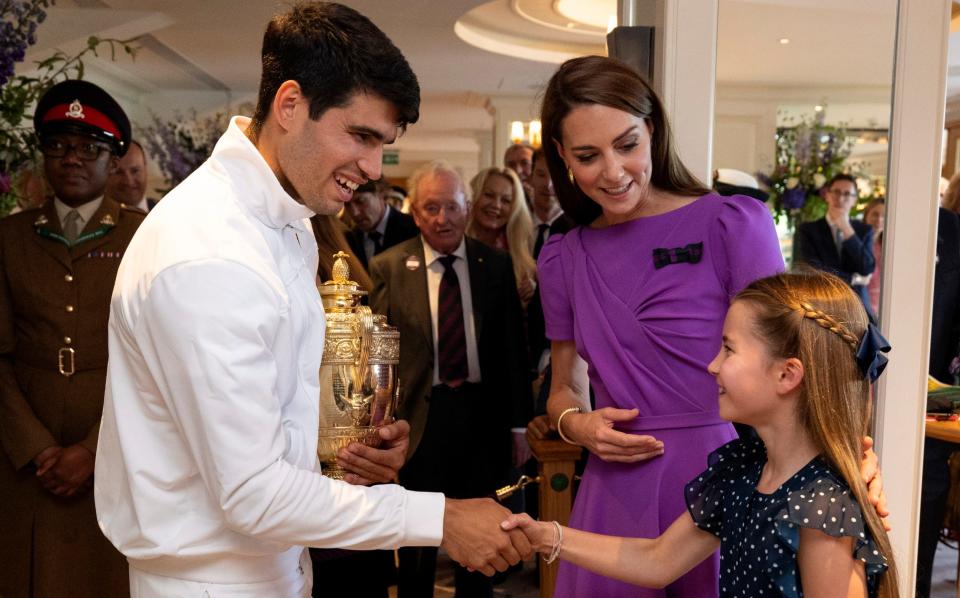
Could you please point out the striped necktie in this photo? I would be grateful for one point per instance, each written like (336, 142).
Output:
(451, 333)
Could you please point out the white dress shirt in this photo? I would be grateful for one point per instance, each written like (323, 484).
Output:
(368, 245)
(434, 274)
(206, 467)
(537, 233)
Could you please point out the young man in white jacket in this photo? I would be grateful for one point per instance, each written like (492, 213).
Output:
(207, 477)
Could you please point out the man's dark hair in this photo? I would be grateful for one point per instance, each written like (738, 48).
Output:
(842, 177)
(369, 187)
(333, 52)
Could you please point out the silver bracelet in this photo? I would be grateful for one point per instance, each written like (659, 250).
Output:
(555, 551)
(560, 421)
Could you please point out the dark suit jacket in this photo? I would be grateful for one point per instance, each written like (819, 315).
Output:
(401, 294)
(400, 227)
(536, 327)
(814, 245)
(945, 331)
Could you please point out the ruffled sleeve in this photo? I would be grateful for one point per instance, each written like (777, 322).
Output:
(554, 295)
(705, 494)
(827, 506)
(750, 248)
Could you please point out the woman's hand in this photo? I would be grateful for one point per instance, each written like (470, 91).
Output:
(526, 289)
(594, 430)
(540, 534)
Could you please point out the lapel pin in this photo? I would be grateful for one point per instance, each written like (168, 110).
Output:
(412, 263)
(41, 221)
(107, 220)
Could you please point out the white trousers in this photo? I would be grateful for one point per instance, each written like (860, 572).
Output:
(297, 584)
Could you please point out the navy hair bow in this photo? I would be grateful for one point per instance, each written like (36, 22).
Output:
(870, 353)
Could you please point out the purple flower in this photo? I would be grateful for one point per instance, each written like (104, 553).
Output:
(794, 199)
(5, 183)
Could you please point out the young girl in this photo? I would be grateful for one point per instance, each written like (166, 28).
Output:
(796, 362)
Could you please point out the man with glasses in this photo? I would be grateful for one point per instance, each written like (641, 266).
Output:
(58, 266)
(837, 244)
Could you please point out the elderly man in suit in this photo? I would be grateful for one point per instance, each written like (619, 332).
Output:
(58, 266)
(462, 361)
(837, 244)
(376, 226)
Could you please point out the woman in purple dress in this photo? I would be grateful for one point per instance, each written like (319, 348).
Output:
(634, 300)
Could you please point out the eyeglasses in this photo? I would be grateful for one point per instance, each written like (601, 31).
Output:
(87, 151)
(844, 194)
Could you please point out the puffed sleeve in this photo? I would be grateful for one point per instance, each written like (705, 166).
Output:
(825, 505)
(748, 240)
(554, 295)
(705, 494)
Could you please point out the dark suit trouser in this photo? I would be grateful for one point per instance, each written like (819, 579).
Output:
(353, 573)
(463, 455)
(933, 502)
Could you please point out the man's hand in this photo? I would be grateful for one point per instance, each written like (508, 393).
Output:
(472, 536)
(521, 448)
(377, 465)
(870, 470)
(539, 427)
(71, 472)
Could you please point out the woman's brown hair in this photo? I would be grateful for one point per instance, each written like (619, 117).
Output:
(816, 318)
(330, 239)
(608, 82)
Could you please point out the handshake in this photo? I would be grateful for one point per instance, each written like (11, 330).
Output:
(484, 536)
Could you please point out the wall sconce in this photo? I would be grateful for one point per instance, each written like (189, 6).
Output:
(526, 132)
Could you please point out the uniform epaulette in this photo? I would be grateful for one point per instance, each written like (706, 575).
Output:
(133, 209)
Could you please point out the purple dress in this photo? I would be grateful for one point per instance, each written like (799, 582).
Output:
(644, 302)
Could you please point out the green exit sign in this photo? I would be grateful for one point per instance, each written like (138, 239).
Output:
(391, 157)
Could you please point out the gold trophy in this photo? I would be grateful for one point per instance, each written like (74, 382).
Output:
(358, 371)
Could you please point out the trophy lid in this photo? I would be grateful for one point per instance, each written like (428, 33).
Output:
(341, 293)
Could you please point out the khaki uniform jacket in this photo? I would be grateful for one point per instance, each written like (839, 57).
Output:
(54, 306)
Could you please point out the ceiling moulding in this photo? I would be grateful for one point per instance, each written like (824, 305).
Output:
(69, 28)
(518, 29)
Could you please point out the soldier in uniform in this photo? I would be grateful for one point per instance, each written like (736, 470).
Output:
(57, 268)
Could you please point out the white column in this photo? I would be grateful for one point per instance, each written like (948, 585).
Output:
(686, 76)
(908, 263)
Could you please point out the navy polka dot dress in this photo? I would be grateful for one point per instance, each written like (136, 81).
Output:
(760, 533)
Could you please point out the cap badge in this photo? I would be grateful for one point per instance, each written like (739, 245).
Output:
(76, 110)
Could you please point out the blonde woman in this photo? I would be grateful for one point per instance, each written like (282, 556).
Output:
(500, 218)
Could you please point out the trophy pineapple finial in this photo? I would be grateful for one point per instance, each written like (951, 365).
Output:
(341, 269)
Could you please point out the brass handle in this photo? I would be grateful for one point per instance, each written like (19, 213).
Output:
(364, 324)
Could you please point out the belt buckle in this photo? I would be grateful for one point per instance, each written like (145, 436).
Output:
(66, 362)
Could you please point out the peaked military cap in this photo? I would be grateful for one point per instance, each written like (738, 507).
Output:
(76, 106)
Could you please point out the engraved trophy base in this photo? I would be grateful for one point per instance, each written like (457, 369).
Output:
(331, 440)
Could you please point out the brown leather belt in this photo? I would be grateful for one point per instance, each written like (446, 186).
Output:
(65, 361)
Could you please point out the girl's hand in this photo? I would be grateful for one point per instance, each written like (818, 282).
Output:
(594, 430)
(540, 534)
(870, 470)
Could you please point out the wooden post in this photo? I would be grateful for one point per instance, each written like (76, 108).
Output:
(555, 460)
